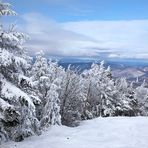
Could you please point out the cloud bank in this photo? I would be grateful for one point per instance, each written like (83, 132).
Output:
(87, 38)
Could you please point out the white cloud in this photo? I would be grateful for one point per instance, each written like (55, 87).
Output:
(131, 55)
(50, 36)
(126, 36)
(87, 38)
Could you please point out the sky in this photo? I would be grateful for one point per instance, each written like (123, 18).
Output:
(87, 28)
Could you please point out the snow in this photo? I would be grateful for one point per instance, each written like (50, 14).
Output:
(4, 104)
(7, 57)
(13, 92)
(111, 132)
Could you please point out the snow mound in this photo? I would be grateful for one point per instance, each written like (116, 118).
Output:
(112, 132)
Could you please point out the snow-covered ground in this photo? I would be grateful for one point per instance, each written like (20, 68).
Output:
(115, 132)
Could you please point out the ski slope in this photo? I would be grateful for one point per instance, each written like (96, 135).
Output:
(112, 132)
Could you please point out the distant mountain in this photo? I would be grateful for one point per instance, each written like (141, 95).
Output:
(129, 68)
(128, 73)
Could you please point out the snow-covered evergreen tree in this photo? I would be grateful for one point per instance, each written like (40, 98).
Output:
(141, 96)
(126, 102)
(46, 78)
(13, 68)
(40, 77)
(51, 109)
(5, 9)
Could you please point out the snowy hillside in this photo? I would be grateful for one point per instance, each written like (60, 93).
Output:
(112, 132)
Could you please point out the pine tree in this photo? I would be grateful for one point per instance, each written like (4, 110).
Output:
(51, 110)
(14, 83)
(141, 96)
(46, 78)
(126, 102)
(5, 9)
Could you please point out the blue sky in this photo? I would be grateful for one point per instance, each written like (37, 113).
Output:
(110, 28)
(78, 10)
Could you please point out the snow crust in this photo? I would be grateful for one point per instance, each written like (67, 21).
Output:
(112, 132)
